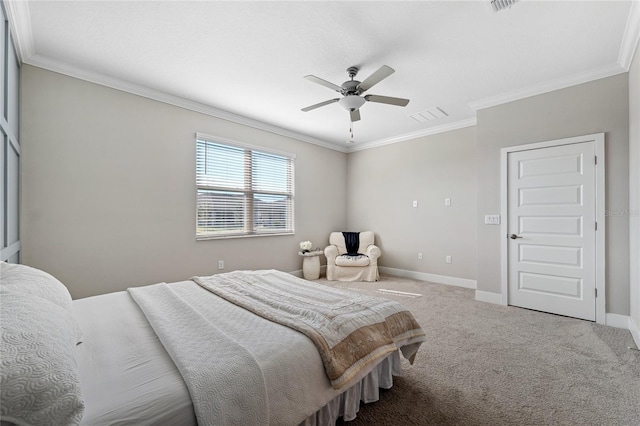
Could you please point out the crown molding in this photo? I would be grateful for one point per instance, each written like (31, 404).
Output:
(157, 95)
(625, 56)
(20, 22)
(21, 30)
(414, 135)
(548, 86)
(20, 27)
(631, 37)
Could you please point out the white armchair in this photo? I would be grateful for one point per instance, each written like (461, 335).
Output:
(342, 266)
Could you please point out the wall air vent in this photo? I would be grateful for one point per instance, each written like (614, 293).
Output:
(431, 114)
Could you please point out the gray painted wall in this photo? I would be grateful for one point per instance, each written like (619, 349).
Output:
(108, 196)
(594, 107)
(383, 182)
(634, 189)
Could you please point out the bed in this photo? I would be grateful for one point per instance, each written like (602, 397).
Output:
(181, 354)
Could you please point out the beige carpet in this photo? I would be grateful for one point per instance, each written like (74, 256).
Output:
(486, 364)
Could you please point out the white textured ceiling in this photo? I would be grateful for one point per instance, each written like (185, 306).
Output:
(249, 58)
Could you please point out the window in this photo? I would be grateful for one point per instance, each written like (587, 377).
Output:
(242, 190)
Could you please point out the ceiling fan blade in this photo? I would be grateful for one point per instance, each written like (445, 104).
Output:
(355, 115)
(321, 104)
(375, 78)
(322, 82)
(387, 100)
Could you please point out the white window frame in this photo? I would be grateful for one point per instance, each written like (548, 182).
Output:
(249, 228)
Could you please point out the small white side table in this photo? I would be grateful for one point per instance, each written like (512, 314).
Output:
(311, 264)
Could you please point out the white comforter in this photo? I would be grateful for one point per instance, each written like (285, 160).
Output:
(127, 377)
(350, 330)
(283, 355)
(225, 382)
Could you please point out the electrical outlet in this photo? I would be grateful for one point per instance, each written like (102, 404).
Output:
(420, 256)
(447, 259)
(220, 264)
(415, 203)
(447, 201)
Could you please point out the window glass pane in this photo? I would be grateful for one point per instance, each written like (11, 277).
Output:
(220, 212)
(220, 166)
(3, 166)
(270, 172)
(271, 212)
(13, 200)
(13, 90)
(3, 42)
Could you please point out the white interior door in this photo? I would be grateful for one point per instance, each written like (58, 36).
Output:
(551, 245)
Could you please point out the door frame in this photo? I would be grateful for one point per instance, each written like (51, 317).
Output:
(600, 276)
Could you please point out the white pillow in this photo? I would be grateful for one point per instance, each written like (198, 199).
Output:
(23, 279)
(39, 378)
(27, 280)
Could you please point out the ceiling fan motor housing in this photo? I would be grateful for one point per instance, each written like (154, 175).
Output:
(350, 87)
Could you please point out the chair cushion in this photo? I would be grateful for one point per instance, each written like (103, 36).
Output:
(352, 260)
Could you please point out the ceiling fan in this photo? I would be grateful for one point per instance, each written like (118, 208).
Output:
(352, 90)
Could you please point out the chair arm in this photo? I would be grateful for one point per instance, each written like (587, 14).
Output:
(374, 253)
(331, 252)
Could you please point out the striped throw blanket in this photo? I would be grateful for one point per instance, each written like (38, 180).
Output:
(350, 330)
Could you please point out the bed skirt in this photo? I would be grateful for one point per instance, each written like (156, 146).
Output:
(367, 390)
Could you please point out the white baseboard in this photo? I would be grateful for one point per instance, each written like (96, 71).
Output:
(486, 296)
(433, 278)
(617, 321)
(635, 331)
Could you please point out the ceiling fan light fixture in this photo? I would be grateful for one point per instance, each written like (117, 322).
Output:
(351, 102)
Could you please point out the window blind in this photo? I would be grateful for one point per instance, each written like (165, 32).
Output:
(242, 191)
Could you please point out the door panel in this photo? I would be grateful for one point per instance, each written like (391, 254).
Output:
(559, 195)
(551, 211)
(548, 225)
(551, 255)
(551, 285)
(557, 164)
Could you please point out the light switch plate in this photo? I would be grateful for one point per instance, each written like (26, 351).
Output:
(492, 219)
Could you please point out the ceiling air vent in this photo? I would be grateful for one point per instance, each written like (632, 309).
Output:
(499, 5)
(431, 114)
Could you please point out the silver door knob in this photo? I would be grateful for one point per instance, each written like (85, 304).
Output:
(514, 236)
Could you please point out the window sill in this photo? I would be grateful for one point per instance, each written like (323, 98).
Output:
(226, 237)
